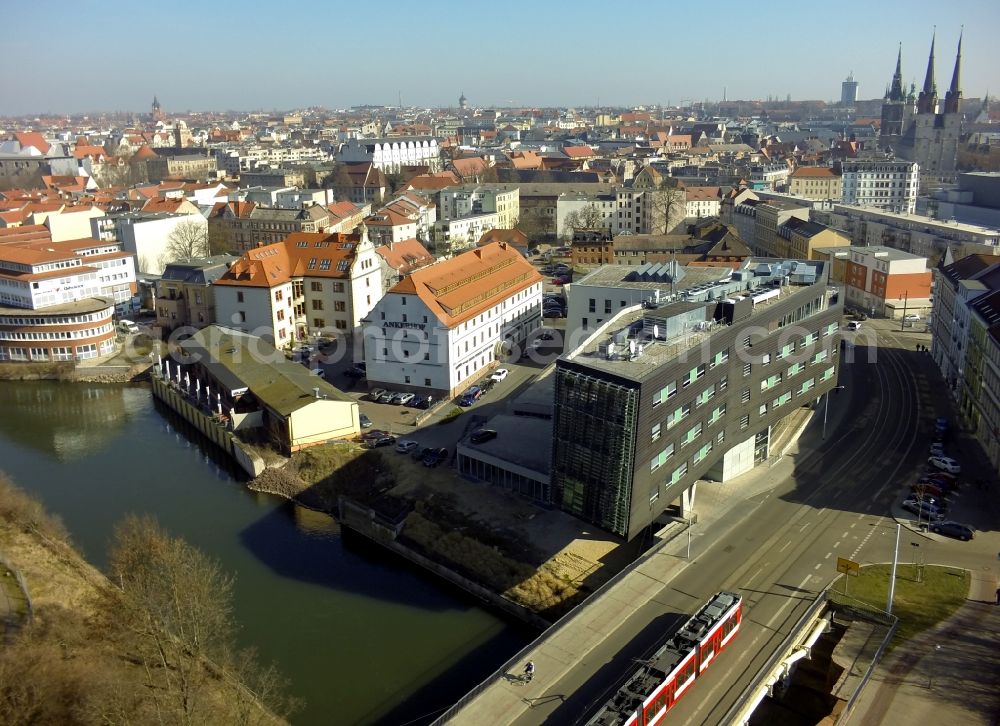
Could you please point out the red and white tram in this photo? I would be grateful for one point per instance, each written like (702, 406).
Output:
(652, 690)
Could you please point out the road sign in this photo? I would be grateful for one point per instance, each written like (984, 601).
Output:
(848, 567)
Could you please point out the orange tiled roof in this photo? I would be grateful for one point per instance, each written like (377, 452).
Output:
(406, 255)
(578, 152)
(458, 289)
(814, 172)
(32, 138)
(434, 182)
(300, 254)
(701, 194)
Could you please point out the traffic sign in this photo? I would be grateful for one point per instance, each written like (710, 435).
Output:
(848, 567)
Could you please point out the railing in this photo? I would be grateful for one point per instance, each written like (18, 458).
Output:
(549, 633)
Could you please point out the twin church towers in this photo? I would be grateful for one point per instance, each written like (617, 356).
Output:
(922, 127)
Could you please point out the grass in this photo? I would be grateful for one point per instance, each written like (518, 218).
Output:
(454, 413)
(918, 605)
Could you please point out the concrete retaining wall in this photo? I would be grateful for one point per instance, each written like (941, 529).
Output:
(215, 432)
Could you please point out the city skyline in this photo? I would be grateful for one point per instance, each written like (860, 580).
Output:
(425, 57)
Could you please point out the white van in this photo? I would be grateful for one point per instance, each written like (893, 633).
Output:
(127, 327)
(854, 325)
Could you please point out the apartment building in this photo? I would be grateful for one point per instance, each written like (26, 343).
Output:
(816, 182)
(887, 282)
(768, 217)
(307, 285)
(799, 239)
(58, 299)
(185, 296)
(471, 200)
(965, 335)
(148, 235)
(881, 183)
(663, 396)
(440, 327)
(920, 235)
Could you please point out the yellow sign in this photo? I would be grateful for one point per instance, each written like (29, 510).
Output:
(847, 566)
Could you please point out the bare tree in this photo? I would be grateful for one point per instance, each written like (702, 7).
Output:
(666, 206)
(188, 239)
(588, 217)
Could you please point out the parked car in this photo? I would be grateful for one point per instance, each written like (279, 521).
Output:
(418, 402)
(420, 453)
(545, 334)
(499, 374)
(925, 511)
(386, 440)
(470, 396)
(553, 313)
(375, 394)
(366, 423)
(480, 436)
(561, 279)
(937, 448)
(945, 464)
(373, 434)
(927, 489)
(436, 457)
(356, 371)
(405, 446)
(403, 399)
(911, 318)
(319, 372)
(387, 396)
(954, 529)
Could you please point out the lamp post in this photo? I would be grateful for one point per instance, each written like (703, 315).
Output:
(826, 408)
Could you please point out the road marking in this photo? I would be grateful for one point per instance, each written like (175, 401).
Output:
(819, 565)
(828, 554)
(852, 526)
(836, 544)
(785, 546)
(820, 511)
(759, 570)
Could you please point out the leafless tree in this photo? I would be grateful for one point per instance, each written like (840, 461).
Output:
(588, 217)
(188, 239)
(666, 206)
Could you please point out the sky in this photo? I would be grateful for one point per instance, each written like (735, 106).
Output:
(74, 57)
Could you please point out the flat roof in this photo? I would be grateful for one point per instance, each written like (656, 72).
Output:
(614, 276)
(524, 441)
(77, 307)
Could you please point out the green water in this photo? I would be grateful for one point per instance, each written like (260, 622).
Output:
(363, 637)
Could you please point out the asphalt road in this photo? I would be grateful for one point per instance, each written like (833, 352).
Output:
(833, 499)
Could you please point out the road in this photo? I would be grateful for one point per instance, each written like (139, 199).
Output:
(779, 548)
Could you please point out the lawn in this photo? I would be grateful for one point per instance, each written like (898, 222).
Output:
(918, 605)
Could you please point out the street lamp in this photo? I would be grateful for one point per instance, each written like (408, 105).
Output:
(826, 408)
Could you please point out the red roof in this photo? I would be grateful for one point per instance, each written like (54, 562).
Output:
(32, 138)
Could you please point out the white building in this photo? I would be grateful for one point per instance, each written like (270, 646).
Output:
(439, 328)
(881, 183)
(584, 205)
(391, 154)
(146, 235)
(470, 200)
(702, 201)
(455, 235)
(310, 284)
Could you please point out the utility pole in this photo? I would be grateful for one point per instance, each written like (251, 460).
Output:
(892, 575)
(826, 407)
(906, 300)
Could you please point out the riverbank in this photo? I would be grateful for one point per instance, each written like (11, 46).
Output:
(74, 373)
(479, 538)
(78, 656)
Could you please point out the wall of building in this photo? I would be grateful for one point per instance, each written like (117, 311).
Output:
(322, 421)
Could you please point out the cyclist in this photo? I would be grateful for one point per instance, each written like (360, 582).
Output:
(529, 670)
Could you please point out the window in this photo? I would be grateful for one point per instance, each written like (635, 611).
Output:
(819, 357)
(762, 410)
(665, 393)
(765, 359)
(324, 264)
(723, 383)
(692, 433)
(607, 306)
(341, 324)
(744, 421)
(338, 287)
(745, 396)
(316, 286)
(807, 385)
(319, 323)
(661, 458)
(317, 304)
(239, 297)
(340, 306)
(678, 473)
(717, 414)
(278, 295)
(719, 358)
(786, 350)
(746, 369)
(427, 382)
(703, 452)
(655, 436)
(592, 306)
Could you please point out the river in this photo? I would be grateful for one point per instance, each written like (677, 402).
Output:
(363, 637)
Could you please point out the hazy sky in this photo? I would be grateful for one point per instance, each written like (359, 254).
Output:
(67, 57)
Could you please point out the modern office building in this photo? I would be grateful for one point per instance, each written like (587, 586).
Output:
(887, 282)
(849, 91)
(664, 395)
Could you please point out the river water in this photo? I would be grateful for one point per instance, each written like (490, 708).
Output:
(363, 637)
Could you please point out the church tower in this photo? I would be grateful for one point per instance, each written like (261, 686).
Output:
(463, 102)
(938, 127)
(894, 107)
(157, 112)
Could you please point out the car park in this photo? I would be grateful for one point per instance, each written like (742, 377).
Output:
(499, 374)
(954, 529)
(374, 443)
(480, 436)
(405, 446)
(366, 423)
(436, 457)
(375, 394)
(924, 511)
(470, 396)
(945, 464)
